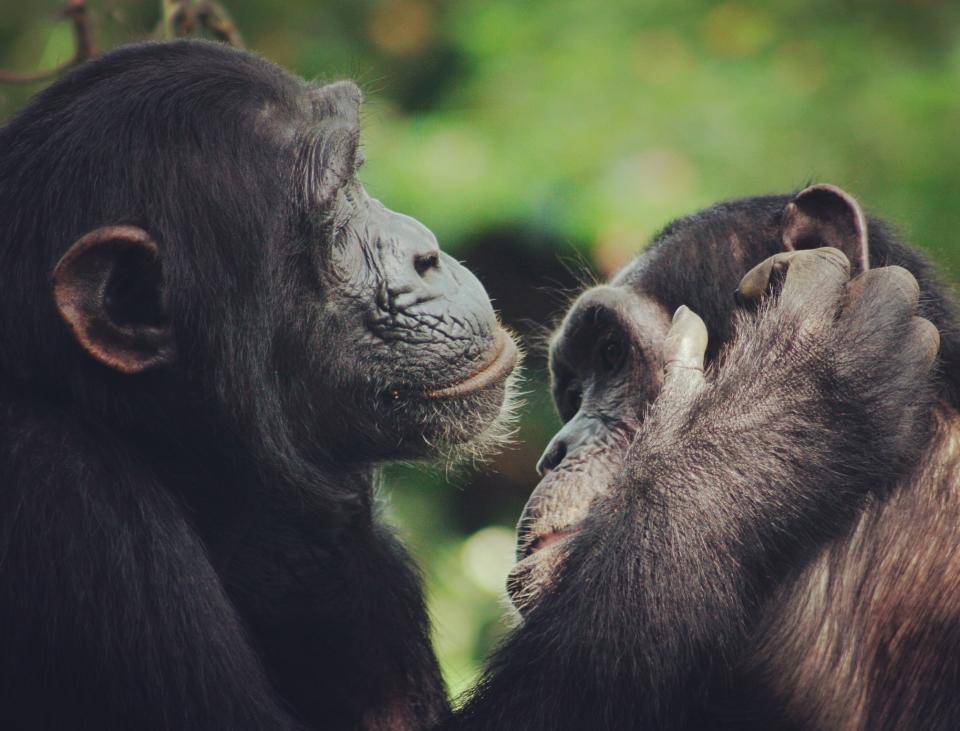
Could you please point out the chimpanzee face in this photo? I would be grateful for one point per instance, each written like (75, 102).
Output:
(606, 363)
(404, 341)
(420, 351)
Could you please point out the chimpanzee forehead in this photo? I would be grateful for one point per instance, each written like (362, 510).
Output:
(603, 308)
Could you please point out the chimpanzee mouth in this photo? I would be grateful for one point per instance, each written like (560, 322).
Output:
(539, 559)
(505, 356)
(528, 545)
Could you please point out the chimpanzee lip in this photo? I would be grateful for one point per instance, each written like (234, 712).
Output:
(529, 545)
(497, 369)
(535, 571)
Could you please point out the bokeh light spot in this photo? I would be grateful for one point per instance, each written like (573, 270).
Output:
(736, 30)
(403, 28)
(487, 557)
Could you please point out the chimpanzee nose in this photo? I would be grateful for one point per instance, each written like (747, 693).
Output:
(423, 263)
(579, 433)
(421, 245)
(419, 261)
(417, 274)
(552, 456)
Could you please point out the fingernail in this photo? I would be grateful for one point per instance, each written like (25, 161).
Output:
(681, 311)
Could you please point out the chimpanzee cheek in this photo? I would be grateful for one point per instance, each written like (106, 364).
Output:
(350, 289)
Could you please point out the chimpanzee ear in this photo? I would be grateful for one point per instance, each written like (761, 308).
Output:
(109, 289)
(825, 215)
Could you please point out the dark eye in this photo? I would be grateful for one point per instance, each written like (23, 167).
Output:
(426, 262)
(611, 354)
(571, 401)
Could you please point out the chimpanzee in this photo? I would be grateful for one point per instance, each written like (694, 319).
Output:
(210, 337)
(740, 594)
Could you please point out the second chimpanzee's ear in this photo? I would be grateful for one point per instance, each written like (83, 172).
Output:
(825, 215)
(109, 289)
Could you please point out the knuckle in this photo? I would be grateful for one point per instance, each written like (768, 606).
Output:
(829, 256)
(754, 283)
(888, 286)
(819, 266)
(902, 279)
(891, 286)
(927, 334)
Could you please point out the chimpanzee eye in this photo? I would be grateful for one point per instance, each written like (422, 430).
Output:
(426, 262)
(611, 352)
(571, 401)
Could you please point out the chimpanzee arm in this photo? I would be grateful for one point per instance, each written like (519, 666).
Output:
(732, 482)
(113, 617)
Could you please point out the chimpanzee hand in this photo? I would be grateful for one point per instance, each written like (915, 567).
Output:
(844, 353)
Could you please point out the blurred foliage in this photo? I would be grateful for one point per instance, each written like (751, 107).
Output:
(529, 133)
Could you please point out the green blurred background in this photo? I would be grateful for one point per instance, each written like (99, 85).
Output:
(544, 141)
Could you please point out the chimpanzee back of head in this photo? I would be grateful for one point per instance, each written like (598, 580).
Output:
(210, 336)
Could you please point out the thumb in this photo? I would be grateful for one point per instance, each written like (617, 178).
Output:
(683, 351)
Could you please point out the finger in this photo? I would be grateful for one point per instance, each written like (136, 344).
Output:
(888, 285)
(684, 349)
(756, 283)
(816, 276)
(927, 340)
(822, 271)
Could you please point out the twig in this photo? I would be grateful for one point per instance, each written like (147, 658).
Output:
(178, 19)
(84, 46)
(182, 18)
(215, 18)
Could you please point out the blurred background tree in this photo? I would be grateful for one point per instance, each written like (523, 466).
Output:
(545, 141)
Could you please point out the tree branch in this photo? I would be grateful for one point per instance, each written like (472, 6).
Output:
(84, 46)
(215, 18)
(181, 18)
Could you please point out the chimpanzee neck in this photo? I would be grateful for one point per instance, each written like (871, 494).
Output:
(219, 468)
(219, 474)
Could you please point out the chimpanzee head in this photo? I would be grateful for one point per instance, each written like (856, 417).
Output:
(606, 357)
(184, 236)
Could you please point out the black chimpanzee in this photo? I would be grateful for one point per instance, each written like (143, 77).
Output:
(754, 597)
(210, 336)
(210, 333)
